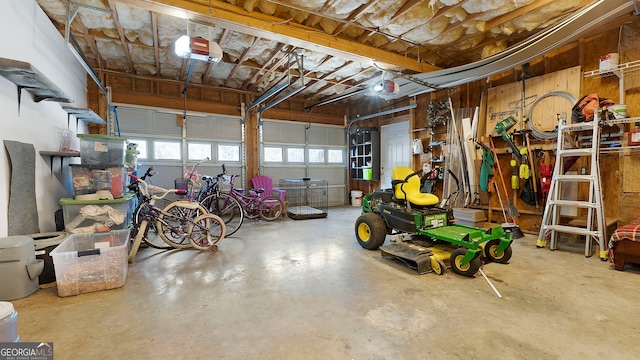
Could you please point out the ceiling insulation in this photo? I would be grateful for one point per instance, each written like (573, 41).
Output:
(345, 42)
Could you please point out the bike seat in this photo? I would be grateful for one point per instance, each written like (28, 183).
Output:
(207, 178)
(410, 187)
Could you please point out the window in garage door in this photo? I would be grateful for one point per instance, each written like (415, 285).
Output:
(161, 142)
(290, 150)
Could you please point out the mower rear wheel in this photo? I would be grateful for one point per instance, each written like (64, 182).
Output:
(370, 231)
(490, 252)
(438, 266)
(468, 269)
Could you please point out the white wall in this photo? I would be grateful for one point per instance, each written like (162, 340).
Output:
(29, 36)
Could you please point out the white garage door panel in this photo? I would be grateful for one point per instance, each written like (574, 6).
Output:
(333, 175)
(166, 124)
(284, 133)
(277, 173)
(227, 128)
(214, 127)
(164, 175)
(324, 135)
(134, 120)
(199, 127)
(336, 196)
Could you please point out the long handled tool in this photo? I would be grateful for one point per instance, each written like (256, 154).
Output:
(533, 171)
(511, 209)
(515, 230)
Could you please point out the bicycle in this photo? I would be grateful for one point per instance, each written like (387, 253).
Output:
(141, 209)
(221, 204)
(203, 232)
(177, 210)
(267, 208)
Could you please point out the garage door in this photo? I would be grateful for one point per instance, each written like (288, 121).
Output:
(294, 150)
(173, 149)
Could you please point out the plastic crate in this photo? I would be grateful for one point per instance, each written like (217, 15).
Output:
(91, 262)
(96, 215)
(102, 150)
(469, 217)
(87, 179)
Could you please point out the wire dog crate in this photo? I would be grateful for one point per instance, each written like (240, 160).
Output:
(307, 198)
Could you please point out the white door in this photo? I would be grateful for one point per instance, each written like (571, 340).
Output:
(394, 150)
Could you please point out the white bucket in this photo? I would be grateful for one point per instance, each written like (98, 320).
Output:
(618, 110)
(356, 198)
(609, 62)
(8, 323)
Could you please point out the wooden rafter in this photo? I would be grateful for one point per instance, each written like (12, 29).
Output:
(242, 58)
(357, 84)
(341, 82)
(275, 66)
(273, 55)
(156, 41)
(256, 24)
(222, 40)
(123, 42)
(354, 16)
(501, 20)
(405, 8)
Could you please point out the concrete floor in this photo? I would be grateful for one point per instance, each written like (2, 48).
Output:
(305, 289)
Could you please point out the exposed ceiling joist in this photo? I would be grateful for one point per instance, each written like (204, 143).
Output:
(123, 42)
(236, 19)
(156, 46)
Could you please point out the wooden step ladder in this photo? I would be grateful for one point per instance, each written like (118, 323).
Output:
(595, 228)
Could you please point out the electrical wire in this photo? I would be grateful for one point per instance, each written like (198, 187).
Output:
(552, 134)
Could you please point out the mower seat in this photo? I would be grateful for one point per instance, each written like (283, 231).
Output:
(410, 187)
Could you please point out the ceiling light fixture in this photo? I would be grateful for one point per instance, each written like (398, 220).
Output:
(198, 48)
(385, 87)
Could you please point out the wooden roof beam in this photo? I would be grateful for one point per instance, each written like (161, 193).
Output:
(156, 41)
(253, 78)
(354, 16)
(125, 46)
(242, 58)
(237, 19)
(222, 39)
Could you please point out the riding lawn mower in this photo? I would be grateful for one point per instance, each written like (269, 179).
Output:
(428, 239)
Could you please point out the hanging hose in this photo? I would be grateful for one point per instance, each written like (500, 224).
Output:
(552, 134)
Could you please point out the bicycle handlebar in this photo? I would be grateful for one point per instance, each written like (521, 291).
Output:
(144, 189)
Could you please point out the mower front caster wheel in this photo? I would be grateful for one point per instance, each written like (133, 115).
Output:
(371, 231)
(438, 266)
(490, 252)
(468, 269)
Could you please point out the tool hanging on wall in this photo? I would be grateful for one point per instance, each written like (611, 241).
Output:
(513, 227)
(524, 164)
(533, 170)
(546, 170)
(515, 183)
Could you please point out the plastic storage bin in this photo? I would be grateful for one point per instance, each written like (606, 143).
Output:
(91, 262)
(102, 150)
(87, 179)
(82, 216)
(8, 323)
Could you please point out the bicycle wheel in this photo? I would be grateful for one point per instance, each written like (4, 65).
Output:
(173, 228)
(228, 208)
(150, 241)
(140, 234)
(206, 231)
(270, 208)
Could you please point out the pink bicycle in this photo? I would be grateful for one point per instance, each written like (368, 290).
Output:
(254, 205)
